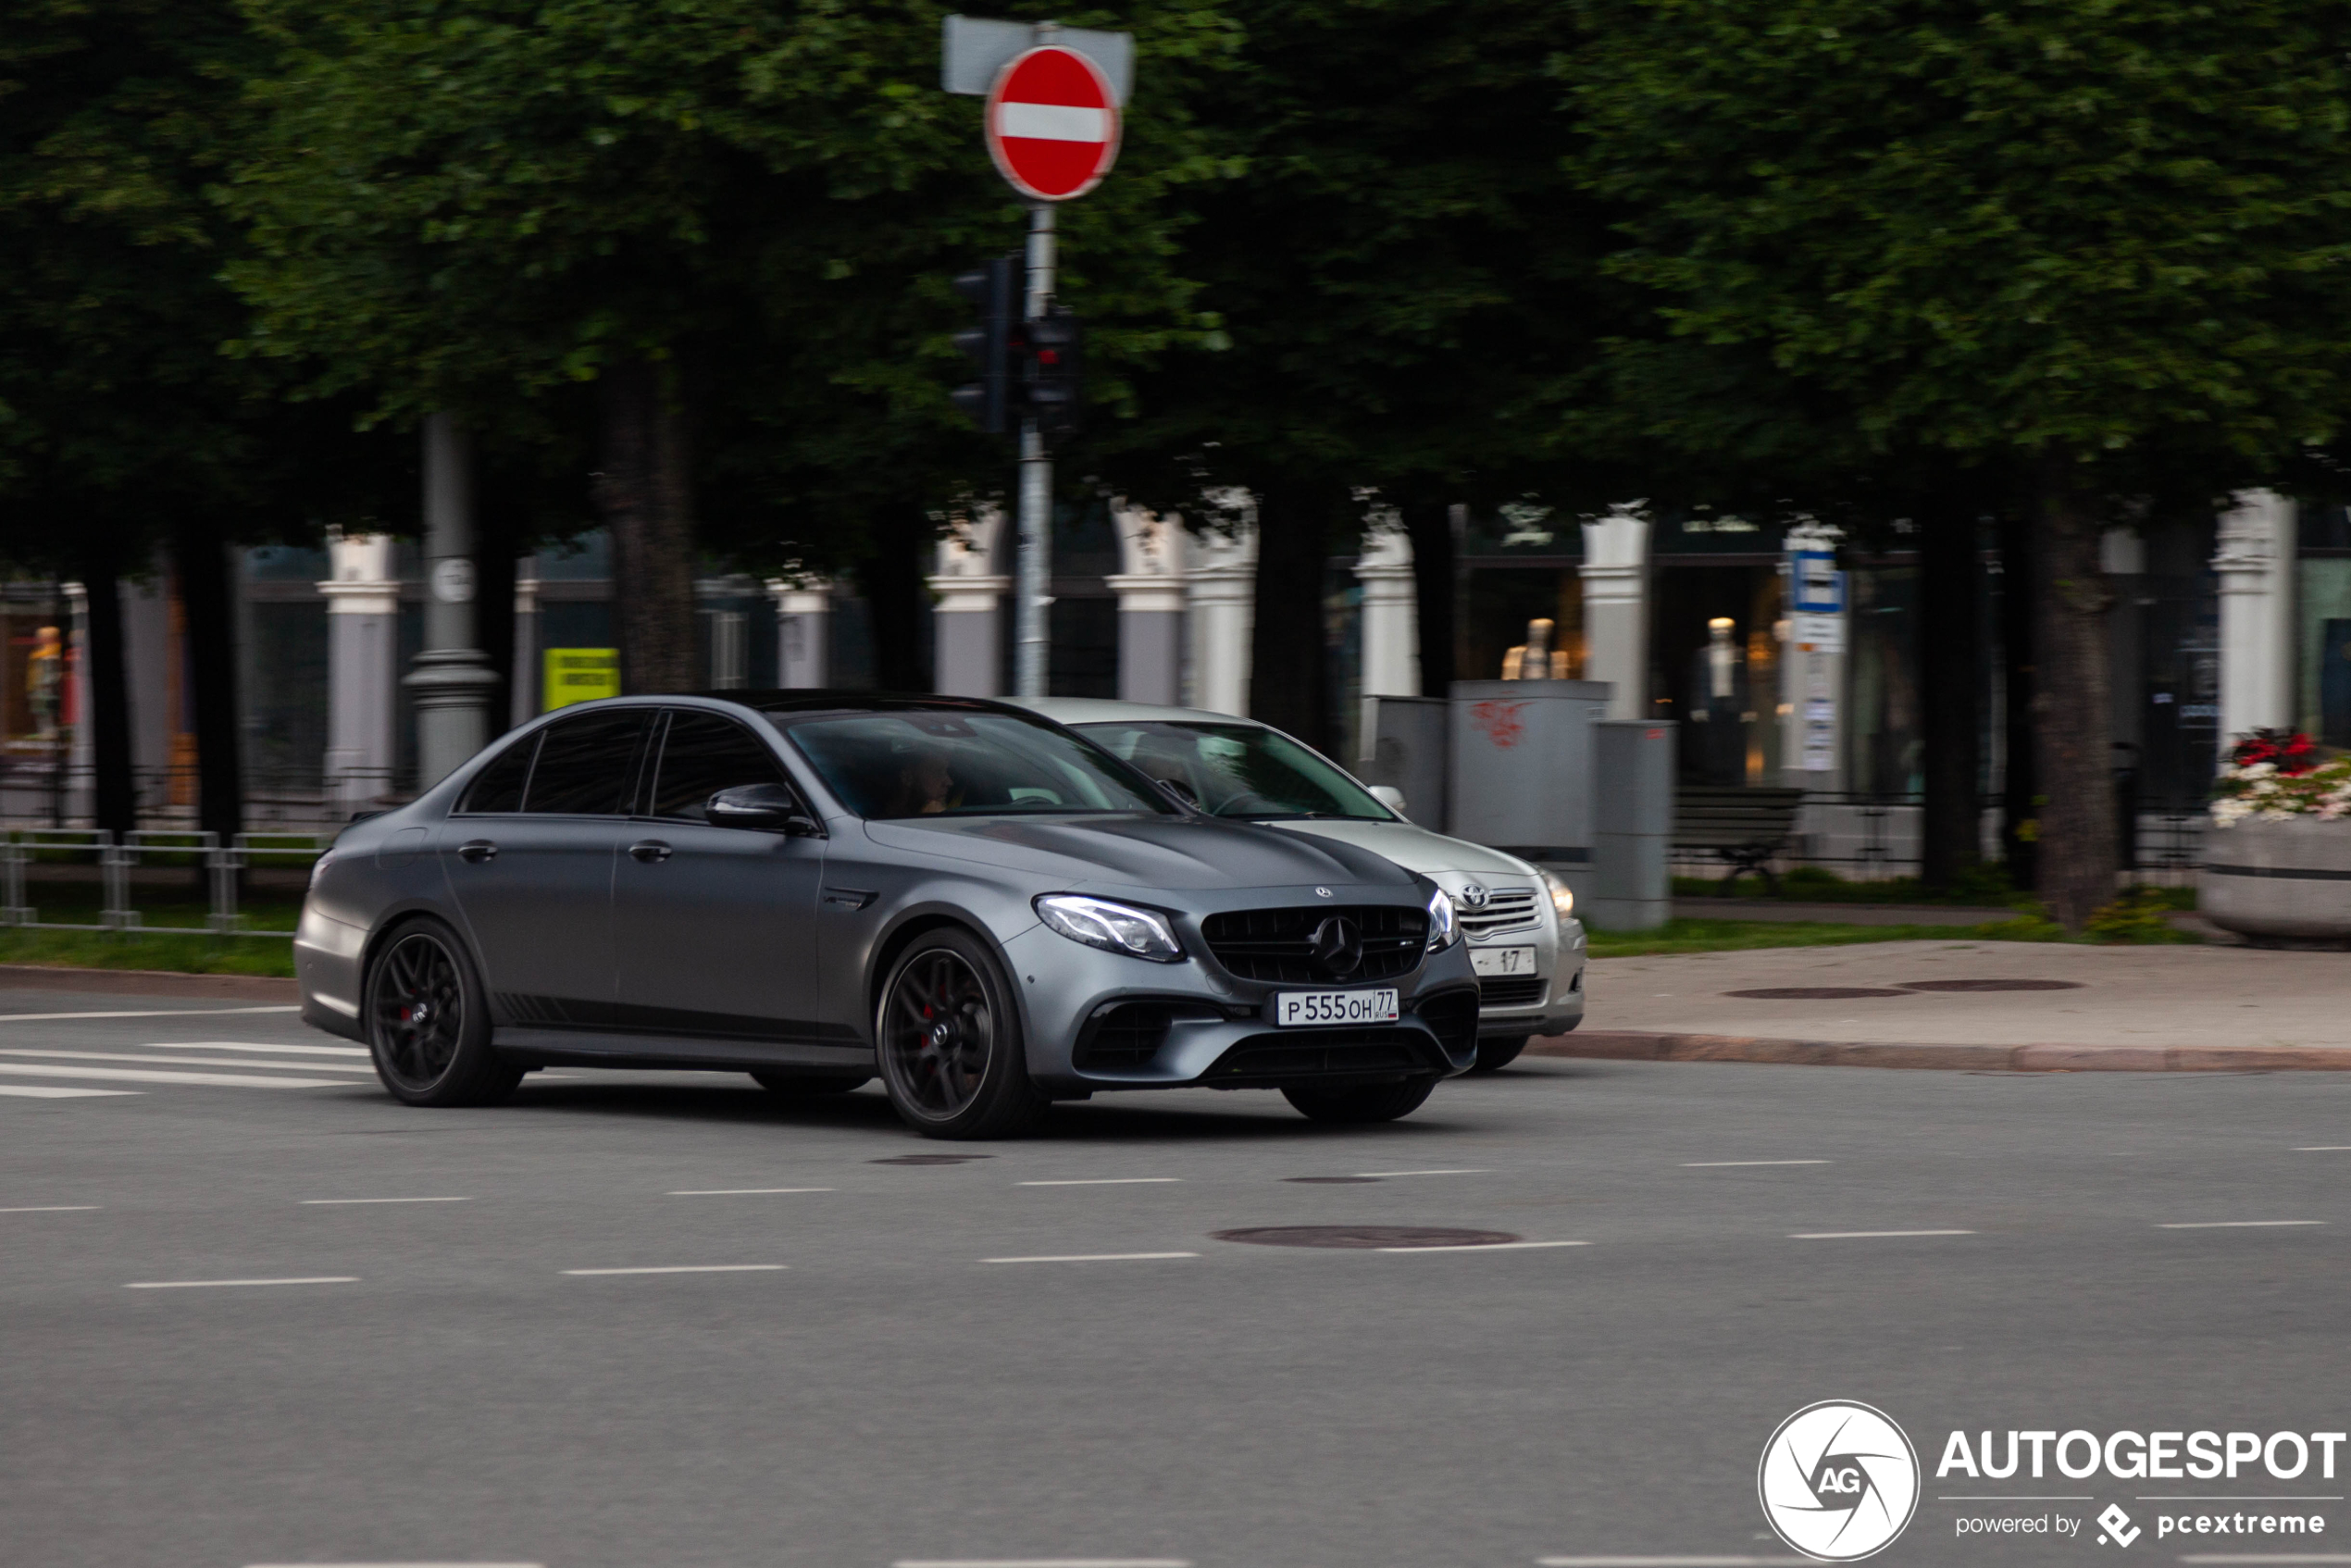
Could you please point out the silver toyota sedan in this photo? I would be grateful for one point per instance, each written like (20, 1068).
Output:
(987, 910)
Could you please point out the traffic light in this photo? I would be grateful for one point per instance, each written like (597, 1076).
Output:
(1054, 387)
(995, 287)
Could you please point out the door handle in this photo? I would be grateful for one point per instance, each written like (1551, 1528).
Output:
(648, 852)
(476, 851)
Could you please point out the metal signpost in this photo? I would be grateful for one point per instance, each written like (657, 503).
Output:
(1052, 128)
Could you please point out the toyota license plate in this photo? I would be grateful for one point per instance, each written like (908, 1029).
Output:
(1305, 1008)
(1495, 961)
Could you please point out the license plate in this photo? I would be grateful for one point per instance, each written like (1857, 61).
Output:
(1306, 1009)
(1502, 960)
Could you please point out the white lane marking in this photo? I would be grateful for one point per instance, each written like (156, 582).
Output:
(330, 1202)
(1469, 1170)
(207, 1283)
(395, 1565)
(1725, 1165)
(1102, 1181)
(1091, 1258)
(1489, 1247)
(131, 1074)
(168, 1013)
(35, 1091)
(1861, 1235)
(2232, 1224)
(1668, 1561)
(689, 1268)
(2324, 1148)
(54, 1209)
(1042, 1562)
(2251, 1557)
(186, 1061)
(249, 1045)
(742, 1191)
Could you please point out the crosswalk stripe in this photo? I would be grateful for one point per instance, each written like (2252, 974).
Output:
(248, 1045)
(149, 1013)
(133, 1075)
(47, 1092)
(188, 1061)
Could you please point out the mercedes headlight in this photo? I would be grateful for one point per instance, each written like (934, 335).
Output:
(1563, 896)
(1442, 930)
(1113, 927)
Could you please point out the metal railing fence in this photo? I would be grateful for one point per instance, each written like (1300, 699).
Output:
(22, 849)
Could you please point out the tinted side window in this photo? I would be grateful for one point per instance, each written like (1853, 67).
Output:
(499, 786)
(587, 764)
(703, 754)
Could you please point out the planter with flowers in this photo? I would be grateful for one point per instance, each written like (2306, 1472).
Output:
(2279, 863)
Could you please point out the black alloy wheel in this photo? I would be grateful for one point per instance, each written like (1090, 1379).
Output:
(1498, 1052)
(428, 1026)
(949, 1043)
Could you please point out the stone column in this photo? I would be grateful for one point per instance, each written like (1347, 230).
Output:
(363, 635)
(524, 693)
(1391, 611)
(1151, 605)
(1220, 589)
(803, 629)
(2255, 561)
(1615, 573)
(452, 681)
(968, 642)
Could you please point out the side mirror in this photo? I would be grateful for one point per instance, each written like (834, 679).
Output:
(769, 807)
(1392, 797)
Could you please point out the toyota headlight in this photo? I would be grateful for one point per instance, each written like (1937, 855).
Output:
(1442, 929)
(1563, 896)
(1113, 927)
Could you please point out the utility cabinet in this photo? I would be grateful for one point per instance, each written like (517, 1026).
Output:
(1521, 768)
(1404, 746)
(1632, 826)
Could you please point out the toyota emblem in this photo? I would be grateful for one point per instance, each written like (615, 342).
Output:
(1473, 895)
(1321, 893)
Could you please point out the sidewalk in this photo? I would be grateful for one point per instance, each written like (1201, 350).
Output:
(2129, 1008)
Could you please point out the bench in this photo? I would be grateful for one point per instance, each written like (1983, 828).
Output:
(1746, 826)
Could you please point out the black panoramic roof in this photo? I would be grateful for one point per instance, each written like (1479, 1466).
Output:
(815, 699)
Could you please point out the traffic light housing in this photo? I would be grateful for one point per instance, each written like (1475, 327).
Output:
(1053, 388)
(995, 287)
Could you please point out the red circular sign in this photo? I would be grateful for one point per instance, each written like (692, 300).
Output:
(1052, 124)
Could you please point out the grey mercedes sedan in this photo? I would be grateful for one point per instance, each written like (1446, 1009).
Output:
(986, 909)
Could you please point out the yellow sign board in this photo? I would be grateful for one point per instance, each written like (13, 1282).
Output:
(580, 674)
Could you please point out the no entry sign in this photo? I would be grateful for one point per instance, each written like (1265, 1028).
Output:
(1052, 124)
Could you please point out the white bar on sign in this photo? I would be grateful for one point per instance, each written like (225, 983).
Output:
(1051, 122)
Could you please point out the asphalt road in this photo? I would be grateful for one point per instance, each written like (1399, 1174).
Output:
(869, 1381)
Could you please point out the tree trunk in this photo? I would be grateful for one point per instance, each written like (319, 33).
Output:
(1431, 532)
(2020, 792)
(645, 494)
(202, 562)
(115, 795)
(2072, 708)
(1288, 685)
(891, 576)
(1949, 708)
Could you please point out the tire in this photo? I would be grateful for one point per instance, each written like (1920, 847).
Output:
(1498, 1052)
(1359, 1103)
(802, 1086)
(949, 1038)
(428, 1021)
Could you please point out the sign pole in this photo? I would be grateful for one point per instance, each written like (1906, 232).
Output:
(1036, 486)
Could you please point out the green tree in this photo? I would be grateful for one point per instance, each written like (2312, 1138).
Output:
(2088, 242)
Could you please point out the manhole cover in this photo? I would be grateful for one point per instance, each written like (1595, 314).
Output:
(1365, 1238)
(1991, 985)
(1814, 993)
(1328, 1181)
(930, 1159)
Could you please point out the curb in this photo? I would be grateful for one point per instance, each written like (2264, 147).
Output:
(1633, 1045)
(145, 982)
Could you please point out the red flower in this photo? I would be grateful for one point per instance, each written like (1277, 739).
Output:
(2290, 751)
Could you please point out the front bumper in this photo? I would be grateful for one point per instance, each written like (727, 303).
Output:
(1102, 1021)
(1551, 1004)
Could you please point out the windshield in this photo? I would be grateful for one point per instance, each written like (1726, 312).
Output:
(1240, 770)
(918, 763)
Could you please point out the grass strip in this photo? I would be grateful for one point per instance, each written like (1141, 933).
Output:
(193, 954)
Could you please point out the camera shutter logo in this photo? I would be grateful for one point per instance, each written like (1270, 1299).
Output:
(1838, 1481)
